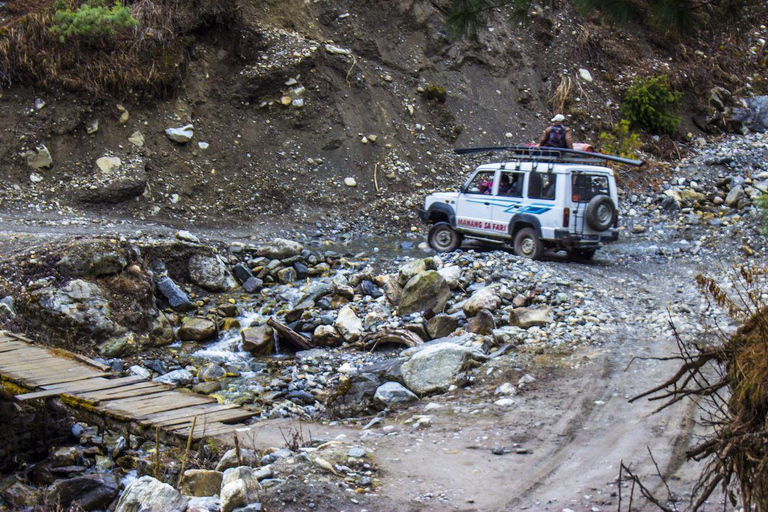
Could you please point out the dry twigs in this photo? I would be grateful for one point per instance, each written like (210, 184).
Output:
(729, 383)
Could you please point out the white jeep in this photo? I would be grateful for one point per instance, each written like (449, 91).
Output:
(542, 199)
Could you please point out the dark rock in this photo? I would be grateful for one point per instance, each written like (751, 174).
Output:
(242, 273)
(301, 397)
(121, 186)
(368, 288)
(426, 291)
(358, 399)
(91, 492)
(253, 285)
(302, 271)
(175, 296)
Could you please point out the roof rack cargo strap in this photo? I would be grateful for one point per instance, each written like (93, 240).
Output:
(538, 153)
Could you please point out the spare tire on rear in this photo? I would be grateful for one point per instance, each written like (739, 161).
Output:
(601, 213)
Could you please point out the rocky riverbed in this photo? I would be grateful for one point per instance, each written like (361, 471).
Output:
(350, 338)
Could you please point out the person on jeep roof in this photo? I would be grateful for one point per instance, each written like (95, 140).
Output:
(558, 135)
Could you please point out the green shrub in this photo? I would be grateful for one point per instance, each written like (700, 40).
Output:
(620, 141)
(92, 22)
(652, 106)
(436, 93)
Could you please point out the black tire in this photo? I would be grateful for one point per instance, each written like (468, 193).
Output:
(443, 238)
(582, 254)
(528, 245)
(600, 213)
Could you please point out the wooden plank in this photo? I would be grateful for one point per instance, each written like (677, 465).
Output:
(83, 359)
(12, 346)
(125, 392)
(187, 412)
(215, 430)
(200, 413)
(63, 378)
(26, 356)
(138, 408)
(43, 372)
(98, 383)
(214, 417)
(147, 388)
(41, 365)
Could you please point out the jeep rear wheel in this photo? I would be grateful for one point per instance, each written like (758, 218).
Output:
(443, 238)
(600, 213)
(528, 245)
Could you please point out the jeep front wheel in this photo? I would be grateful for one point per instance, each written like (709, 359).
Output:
(443, 238)
(528, 245)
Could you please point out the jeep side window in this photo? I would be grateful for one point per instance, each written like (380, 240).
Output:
(482, 184)
(511, 184)
(542, 186)
(586, 186)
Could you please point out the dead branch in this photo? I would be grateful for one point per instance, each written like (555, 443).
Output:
(397, 336)
(292, 337)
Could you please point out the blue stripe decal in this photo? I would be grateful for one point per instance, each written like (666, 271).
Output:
(516, 206)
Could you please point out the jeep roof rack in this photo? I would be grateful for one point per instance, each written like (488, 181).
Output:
(555, 155)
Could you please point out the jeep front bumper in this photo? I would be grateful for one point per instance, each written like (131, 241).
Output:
(578, 240)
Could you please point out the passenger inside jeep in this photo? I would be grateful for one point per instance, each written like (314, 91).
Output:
(511, 185)
(482, 184)
(542, 186)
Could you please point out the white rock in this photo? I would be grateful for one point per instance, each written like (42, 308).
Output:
(35, 178)
(180, 135)
(39, 104)
(504, 402)
(348, 324)
(505, 389)
(585, 75)
(203, 145)
(187, 236)
(146, 494)
(109, 164)
(337, 50)
(137, 139)
(350, 182)
(39, 158)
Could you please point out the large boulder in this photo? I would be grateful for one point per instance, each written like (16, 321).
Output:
(425, 291)
(90, 492)
(484, 298)
(79, 306)
(435, 367)
(239, 487)
(92, 258)
(753, 115)
(20, 496)
(147, 494)
(348, 324)
(210, 273)
(734, 197)
(528, 317)
(201, 482)
(197, 329)
(259, 341)
(279, 249)
(176, 378)
(413, 268)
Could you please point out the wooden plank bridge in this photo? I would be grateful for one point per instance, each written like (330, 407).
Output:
(90, 388)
